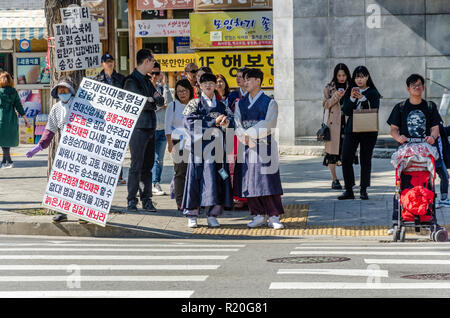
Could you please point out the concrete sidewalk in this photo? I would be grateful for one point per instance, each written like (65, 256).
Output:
(312, 207)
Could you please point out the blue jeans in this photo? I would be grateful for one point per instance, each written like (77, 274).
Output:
(160, 149)
(441, 171)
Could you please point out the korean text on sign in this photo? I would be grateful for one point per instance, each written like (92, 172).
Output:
(91, 150)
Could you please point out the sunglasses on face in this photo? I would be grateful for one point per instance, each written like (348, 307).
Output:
(156, 73)
(193, 71)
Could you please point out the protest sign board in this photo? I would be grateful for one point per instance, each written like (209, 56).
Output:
(77, 40)
(91, 150)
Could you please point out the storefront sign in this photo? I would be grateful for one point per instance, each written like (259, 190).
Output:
(226, 63)
(98, 10)
(24, 46)
(162, 28)
(92, 148)
(231, 30)
(232, 4)
(174, 62)
(31, 70)
(77, 46)
(164, 4)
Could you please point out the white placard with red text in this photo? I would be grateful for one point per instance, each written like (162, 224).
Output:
(92, 148)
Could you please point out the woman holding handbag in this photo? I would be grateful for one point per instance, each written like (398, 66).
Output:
(332, 101)
(361, 103)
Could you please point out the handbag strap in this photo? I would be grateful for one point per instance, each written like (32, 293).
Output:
(323, 116)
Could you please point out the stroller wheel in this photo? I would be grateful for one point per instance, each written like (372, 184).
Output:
(441, 236)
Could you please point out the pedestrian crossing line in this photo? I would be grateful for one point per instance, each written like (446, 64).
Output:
(83, 278)
(113, 249)
(370, 286)
(114, 257)
(408, 261)
(347, 252)
(109, 267)
(125, 245)
(336, 272)
(98, 294)
(401, 247)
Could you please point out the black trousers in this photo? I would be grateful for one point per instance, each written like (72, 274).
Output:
(366, 142)
(142, 150)
(180, 169)
(6, 155)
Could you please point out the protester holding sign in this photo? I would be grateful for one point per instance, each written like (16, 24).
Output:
(142, 142)
(57, 118)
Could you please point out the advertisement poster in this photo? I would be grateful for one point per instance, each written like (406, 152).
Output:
(240, 29)
(98, 10)
(232, 4)
(164, 4)
(92, 148)
(223, 62)
(31, 70)
(31, 101)
(162, 28)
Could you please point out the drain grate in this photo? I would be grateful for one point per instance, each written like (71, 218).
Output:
(436, 276)
(309, 260)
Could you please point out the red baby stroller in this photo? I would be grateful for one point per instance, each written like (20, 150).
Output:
(415, 196)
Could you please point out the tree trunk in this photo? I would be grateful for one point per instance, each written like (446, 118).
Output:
(53, 16)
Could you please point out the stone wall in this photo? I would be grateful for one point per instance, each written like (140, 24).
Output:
(392, 38)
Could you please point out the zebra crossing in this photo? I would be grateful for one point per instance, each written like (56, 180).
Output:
(99, 270)
(371, 268)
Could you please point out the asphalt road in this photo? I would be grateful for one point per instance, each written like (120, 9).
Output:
(62, 267)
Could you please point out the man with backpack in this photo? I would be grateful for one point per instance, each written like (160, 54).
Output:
(414, 118)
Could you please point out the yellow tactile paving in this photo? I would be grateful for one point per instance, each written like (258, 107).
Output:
(295, 222)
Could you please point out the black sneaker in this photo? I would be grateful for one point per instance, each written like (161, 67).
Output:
(336, 185)
(148, 206)
(363, 195)
(132, 206)
(347, 195)
(59, 218)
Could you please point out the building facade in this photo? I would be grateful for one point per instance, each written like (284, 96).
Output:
(392, 38)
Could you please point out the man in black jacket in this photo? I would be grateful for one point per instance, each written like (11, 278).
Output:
(142, 142)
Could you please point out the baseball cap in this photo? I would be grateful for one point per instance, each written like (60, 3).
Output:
(106, 57)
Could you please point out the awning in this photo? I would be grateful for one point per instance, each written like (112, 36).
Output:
(22, 24)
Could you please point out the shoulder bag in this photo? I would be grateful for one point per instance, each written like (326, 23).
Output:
(323, 134)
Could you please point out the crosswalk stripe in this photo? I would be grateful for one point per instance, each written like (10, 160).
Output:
(408, 261)
(83, 278)
(63, 249)
(98, 294)
(369, 253)
(108, 267)
(126, 245)
(372, 247)
(114, 257)
(337, 272)
(334, 285)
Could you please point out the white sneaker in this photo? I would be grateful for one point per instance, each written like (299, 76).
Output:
(257, 221)
(192, 222)
(156, 189)
(212, 222)
(445, 202)
(274, 221)
(7, 165)
(390, 231)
